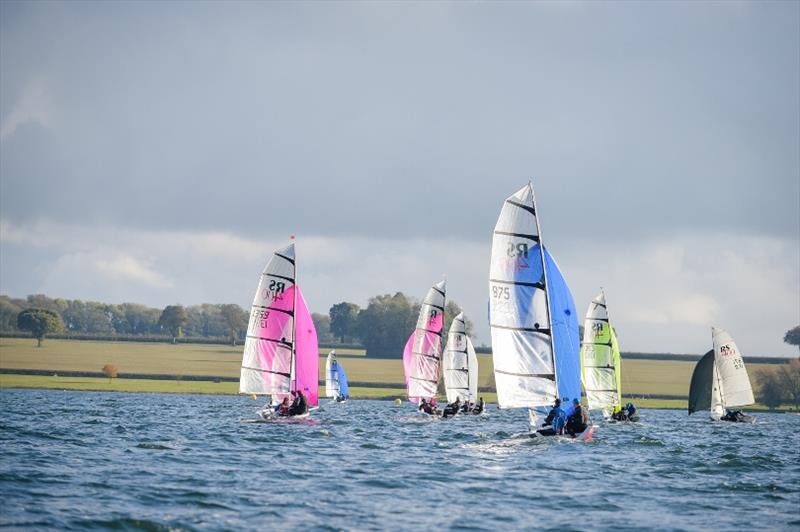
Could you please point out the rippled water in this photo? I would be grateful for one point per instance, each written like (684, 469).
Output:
(149, 461)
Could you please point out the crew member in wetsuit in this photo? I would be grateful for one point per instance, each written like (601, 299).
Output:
(300, 406)
(631, 410)
(478, 409)
(282, 408)
(426, 407)
(553, 414)
(578, 420)
(733, 415)
(453, 408)
(619, 414)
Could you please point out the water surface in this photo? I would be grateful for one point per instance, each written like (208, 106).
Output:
(82, 460)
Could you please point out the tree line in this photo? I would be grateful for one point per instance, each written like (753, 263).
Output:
(382, 328)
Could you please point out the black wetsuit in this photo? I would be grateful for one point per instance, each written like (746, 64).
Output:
(478, 408)
(451, 409)
(300, 406)
(427, 408)
(575, 424)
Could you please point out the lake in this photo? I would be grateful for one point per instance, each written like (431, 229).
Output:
(91, 460)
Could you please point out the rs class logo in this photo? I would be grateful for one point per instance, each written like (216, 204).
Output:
(277, 286)
(727, 351)
(519, 249)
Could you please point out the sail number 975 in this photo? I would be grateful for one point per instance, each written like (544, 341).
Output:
(501, 292)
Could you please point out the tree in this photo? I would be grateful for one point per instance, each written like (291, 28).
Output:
(173, 318)
(384, 326)
(789, 379)
(235, 318)
(769, 388)
(322, 324)
(451, 310)
(8, 313)
(39, 322)
(792, 337)
(344, 319)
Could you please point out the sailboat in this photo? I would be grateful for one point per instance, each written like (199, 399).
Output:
(601, 365)
(720, 380)
(460, 364)
(534, 326)
(281, 355)
(423, 350)
(335, 379)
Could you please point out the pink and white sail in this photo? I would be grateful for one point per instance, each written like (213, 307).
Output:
(423, 351)
(280, 352)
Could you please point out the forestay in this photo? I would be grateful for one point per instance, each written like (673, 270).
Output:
(460, 364)
(423, 350)
(280, 351)
(534, 361)
(600, 358)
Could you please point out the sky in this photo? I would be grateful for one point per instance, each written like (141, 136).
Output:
(157, 152)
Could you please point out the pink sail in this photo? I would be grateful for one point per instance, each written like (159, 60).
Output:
(306, 353)
(423, 350)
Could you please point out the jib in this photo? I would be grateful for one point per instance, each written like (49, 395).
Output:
(517, 250)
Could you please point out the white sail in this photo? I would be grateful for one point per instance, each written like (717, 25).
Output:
(522, 349)
(600, 358)
(331, 376)
(268, 349)
(735, 389)
(423, 351)
(460, 364)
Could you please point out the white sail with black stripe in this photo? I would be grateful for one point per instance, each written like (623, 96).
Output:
(460, 364)
(268, 349)
(535, 339)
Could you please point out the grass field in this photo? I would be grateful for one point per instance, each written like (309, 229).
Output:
(639, 377)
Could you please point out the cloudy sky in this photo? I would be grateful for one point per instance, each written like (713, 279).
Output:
(157, 152)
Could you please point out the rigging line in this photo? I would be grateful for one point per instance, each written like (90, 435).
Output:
(433, 305)
(425, 355)
(423, 380)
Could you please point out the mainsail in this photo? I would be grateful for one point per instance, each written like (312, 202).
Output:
(600, 358)
(720, 379)
(280, 352)
(331, 376)
(460, 364)
(535, 339)
(423, 350)
(335, 378)
(735, 389)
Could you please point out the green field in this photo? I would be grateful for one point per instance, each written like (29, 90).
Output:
(640, 377)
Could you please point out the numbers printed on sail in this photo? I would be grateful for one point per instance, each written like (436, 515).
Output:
(501, 292)
(738, 363)
(260, 321)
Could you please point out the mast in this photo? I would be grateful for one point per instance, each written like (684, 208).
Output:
(293, 356)
(546, 289)
(716, 371)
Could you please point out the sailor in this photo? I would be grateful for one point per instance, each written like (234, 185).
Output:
(733, 415)
(479, 406)
(631, 410)
(282, 408)
(300, 405)
(426, 407)
(578, 420)
(620, 414)
(453, 408)
(554, 413)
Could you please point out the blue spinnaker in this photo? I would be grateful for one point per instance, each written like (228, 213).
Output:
(566, 336)
(343, 389)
